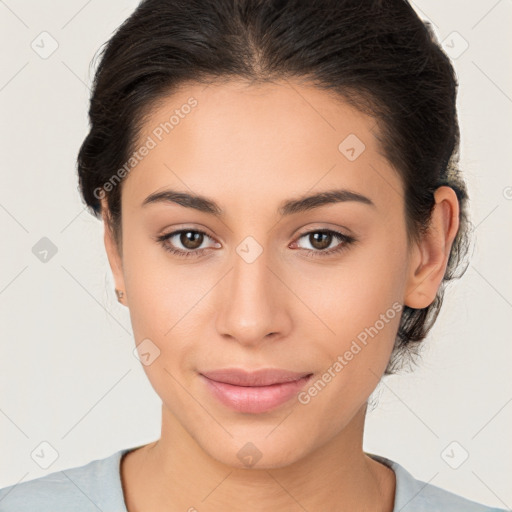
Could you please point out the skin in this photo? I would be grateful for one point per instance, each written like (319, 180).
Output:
(249, 148)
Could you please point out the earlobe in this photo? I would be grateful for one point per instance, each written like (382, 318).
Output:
(430, 256)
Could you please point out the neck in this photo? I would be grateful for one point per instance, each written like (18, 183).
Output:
(175, 473)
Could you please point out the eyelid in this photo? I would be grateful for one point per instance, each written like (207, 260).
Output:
(175, 232)
(185, 227)
(323, 226)
(343, 238)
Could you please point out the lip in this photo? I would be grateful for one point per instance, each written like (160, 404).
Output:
(254, 392)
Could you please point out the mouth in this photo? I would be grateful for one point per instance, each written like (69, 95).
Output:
(254, 392)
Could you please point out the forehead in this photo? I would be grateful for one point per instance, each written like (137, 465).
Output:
(261, 141)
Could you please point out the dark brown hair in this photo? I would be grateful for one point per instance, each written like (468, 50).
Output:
(378, 55)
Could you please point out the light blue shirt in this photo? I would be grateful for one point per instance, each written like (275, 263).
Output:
(96, 486)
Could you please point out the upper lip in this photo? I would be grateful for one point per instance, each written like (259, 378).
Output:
(262, 377)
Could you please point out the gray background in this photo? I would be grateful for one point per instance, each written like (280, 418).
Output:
(68, 375)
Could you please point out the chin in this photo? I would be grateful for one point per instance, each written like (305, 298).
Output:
(257, 451)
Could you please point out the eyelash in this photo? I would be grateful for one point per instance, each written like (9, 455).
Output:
(345, 239)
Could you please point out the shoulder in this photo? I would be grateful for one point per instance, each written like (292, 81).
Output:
(91, 487)
(412, 495)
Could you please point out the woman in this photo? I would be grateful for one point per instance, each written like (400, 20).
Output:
(282, 206)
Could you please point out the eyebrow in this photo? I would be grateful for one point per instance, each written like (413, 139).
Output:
(288, 207)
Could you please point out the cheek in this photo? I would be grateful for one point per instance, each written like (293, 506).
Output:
(360, 300)
(352, 294)
(162, 291)
(169, 309)
(163, 300)
(355, 356)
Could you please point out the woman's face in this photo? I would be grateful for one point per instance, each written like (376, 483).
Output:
(263, 287)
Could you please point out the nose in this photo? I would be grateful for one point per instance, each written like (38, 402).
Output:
(253, 302)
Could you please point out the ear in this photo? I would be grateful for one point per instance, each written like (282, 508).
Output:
(113, 254)
(429, 257)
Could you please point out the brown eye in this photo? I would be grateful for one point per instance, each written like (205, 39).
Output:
(186, 242)
(191, 239)
(320, 240)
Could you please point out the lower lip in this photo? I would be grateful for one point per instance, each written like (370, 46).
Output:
(255, 399)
